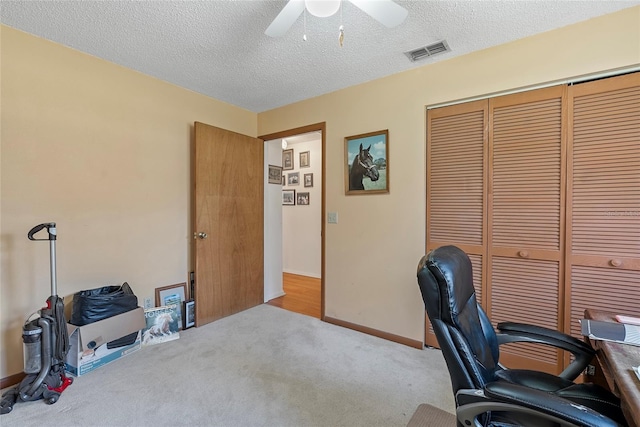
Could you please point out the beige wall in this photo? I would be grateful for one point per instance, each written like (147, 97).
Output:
(372, 253)
(105, 152)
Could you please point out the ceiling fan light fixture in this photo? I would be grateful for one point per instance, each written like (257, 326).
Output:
(387, 12)
(322, 8)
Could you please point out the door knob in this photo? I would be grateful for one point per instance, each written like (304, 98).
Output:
(200, 235)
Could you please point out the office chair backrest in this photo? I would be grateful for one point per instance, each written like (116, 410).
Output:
(465, 334)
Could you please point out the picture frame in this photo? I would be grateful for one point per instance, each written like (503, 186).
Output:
(366, 168)
(289, 197)
(293, 178)
(162, 324)
(275, 172)
(305, 159)
(302, 199)
(308, 180)
(172, 295)
(188, 314)
(287, 159)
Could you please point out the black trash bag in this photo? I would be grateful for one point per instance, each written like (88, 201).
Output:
(97, 304)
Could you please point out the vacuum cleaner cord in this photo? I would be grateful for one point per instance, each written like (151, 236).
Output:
(62, 336)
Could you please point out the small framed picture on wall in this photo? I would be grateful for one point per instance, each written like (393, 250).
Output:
(289, 197)
(293, 178)
(275, 172)
(287, 159)
(305, 159)
(308, 180)
(302, 199)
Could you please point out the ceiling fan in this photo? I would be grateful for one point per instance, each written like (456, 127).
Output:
(386, 12)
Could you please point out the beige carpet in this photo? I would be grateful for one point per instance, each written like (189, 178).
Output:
(430, 416)
(263, 367)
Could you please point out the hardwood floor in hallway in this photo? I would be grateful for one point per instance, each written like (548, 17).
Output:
(303, 295)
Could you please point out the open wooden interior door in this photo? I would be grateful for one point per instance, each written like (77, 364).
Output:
(228, 223)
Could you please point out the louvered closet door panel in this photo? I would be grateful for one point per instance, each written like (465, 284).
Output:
(455, 175)
(526, 217)
(525, 291)
(456, 152)
(604, 203)
(587, 291)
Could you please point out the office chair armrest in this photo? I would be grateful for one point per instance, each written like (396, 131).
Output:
(502, 396)
(509, 332)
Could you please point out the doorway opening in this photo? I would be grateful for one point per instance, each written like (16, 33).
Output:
(294, 225)
(302, 294)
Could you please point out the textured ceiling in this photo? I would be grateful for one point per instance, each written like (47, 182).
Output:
(218, 48)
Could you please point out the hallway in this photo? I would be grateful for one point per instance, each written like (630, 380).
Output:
(303, 295)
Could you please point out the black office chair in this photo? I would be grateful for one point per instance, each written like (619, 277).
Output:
(486, 393)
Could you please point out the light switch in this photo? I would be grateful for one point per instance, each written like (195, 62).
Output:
(332, 217)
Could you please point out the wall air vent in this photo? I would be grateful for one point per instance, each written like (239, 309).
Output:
(427, 51)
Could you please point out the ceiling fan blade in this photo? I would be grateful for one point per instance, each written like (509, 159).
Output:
(285, 19)
(386, 12)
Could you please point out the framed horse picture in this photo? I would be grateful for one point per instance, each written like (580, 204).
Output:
(367, 163)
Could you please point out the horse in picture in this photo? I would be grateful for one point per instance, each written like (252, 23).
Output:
(361, 167)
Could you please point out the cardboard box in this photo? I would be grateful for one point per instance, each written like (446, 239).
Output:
(88, 343)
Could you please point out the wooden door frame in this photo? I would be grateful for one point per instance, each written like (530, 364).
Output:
(321, 127)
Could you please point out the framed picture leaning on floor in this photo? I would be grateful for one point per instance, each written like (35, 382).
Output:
(172, 295)
(188, 314)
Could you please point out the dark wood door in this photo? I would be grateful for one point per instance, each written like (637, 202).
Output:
(228, 222)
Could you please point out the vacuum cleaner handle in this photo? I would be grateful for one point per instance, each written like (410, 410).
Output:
(51, 229)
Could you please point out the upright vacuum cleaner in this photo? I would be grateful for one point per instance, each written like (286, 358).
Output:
(45, 342)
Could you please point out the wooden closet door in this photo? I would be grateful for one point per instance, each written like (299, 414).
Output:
(456, 185)
(603, 227)
(526, 211)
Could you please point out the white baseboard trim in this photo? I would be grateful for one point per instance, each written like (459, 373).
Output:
(277, 295)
